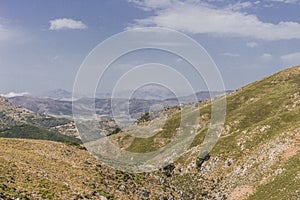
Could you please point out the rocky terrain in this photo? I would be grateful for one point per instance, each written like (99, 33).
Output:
(257, 154)
(256, 157)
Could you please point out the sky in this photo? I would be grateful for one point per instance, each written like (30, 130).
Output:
(43, 43)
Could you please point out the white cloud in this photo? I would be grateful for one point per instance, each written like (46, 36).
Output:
(14, 94)
(199, 18)
(292, 59)
(229, 54)
(284, 1)
(64, 23)
(266, 57)
(152, 4)
(240, 5)
(251, 44)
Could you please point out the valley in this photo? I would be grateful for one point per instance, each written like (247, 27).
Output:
(256, 157)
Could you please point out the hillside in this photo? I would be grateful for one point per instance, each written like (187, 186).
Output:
(44, 105)
(258, 148)
(18, 122)
(257, 156)
(258, 152)
(34, 169)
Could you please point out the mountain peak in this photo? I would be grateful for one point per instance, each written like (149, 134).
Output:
(56, 94)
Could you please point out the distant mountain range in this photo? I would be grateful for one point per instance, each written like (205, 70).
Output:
(57, 94)
(148, 93)
(63, 108)
(43, 105)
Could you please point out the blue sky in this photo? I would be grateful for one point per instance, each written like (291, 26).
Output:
(43, 43)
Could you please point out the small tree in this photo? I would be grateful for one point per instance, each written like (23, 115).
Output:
(144, 118)
(202, 157)
(117, 130)
(168, 168)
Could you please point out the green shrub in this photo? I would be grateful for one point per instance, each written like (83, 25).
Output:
(202, 157)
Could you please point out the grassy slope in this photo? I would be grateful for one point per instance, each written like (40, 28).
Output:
(35, 169)
(149, 144)
(33, 132)
(284, 186)
(273, 102)
(264, 102)
(270, 105)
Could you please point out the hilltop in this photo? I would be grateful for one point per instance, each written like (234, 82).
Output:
(256, 157)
